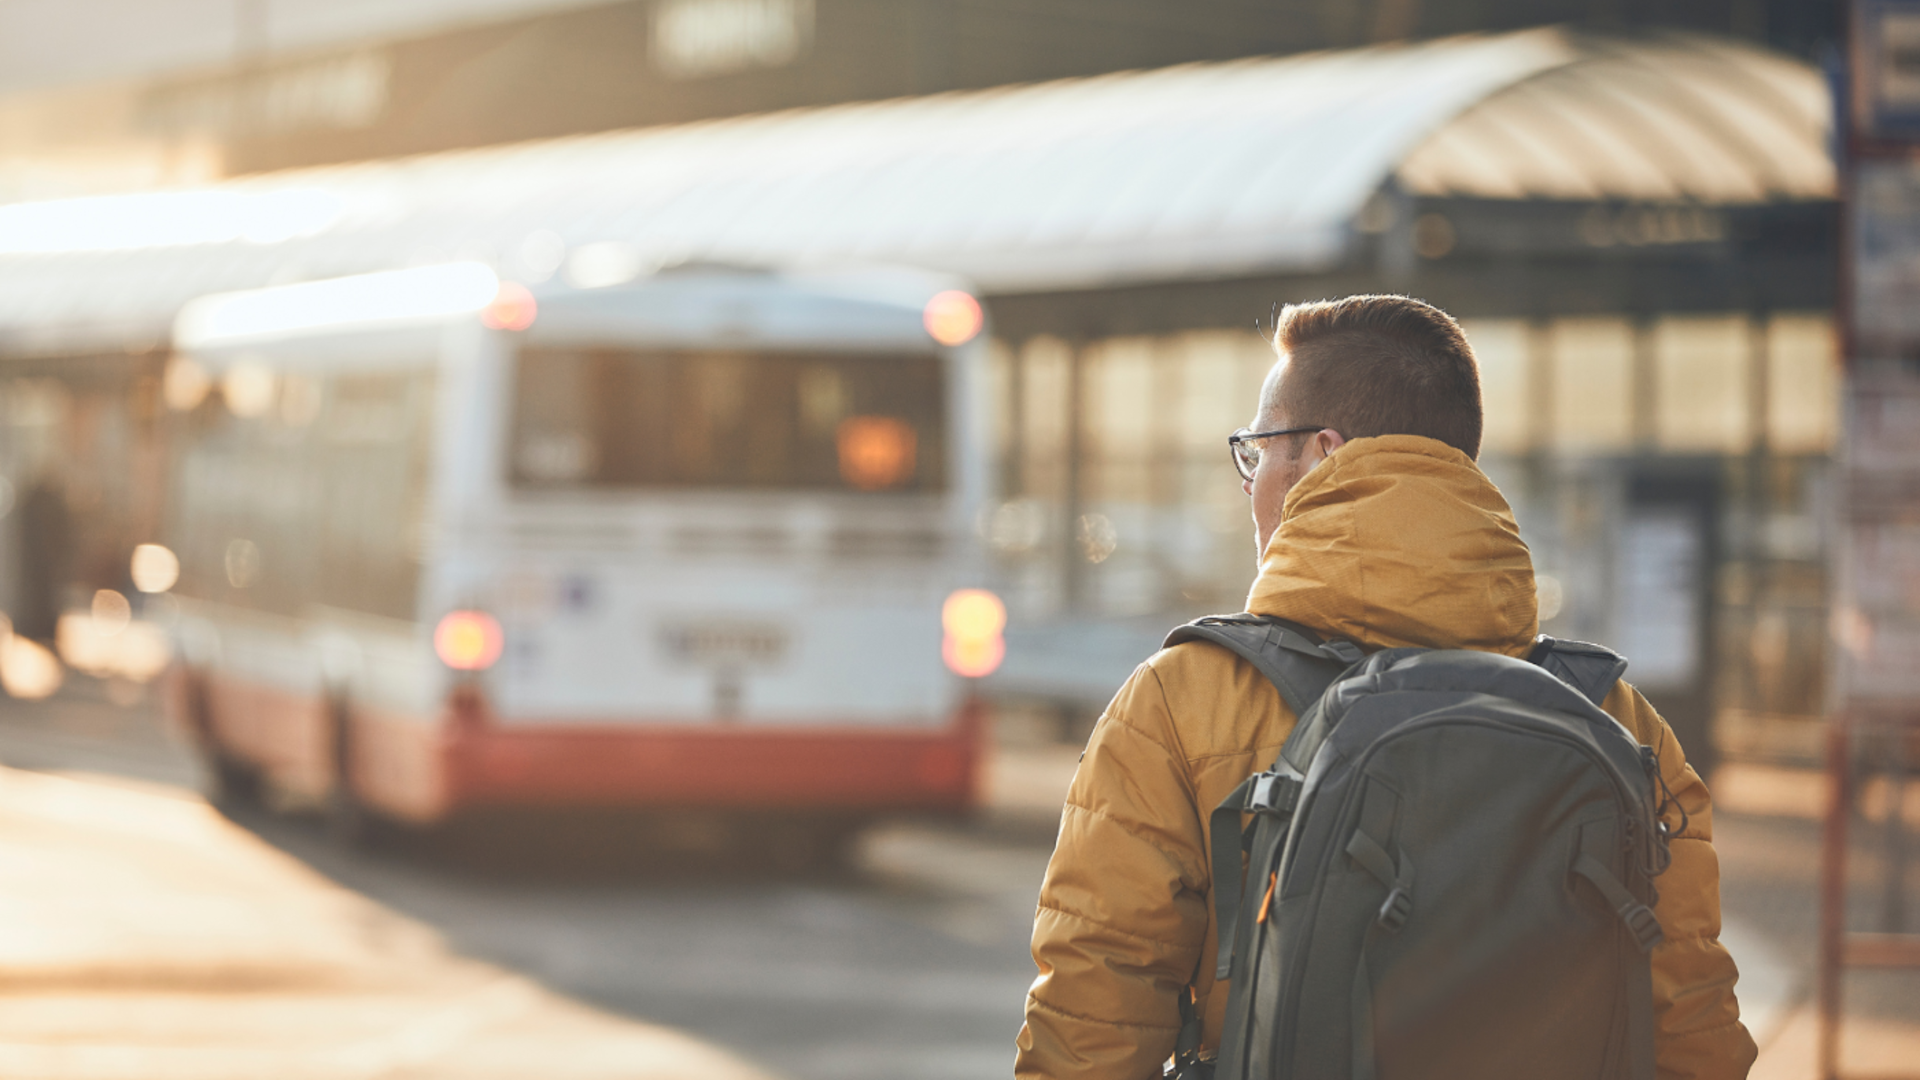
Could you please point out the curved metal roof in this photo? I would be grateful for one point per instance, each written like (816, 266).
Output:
(1201, 170)
(1674, 119)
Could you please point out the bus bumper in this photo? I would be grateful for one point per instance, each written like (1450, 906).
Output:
(846, 769)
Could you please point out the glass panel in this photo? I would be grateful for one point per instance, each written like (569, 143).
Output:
(1804, 384)
(1500, 347)
(1700, 403)
(1001, 370)
(1213, 405)
(374, 464)
(1659, 574)
(723, 419)
(1044, 373)
(1119, 422)
(316, 497)
(1592, 384)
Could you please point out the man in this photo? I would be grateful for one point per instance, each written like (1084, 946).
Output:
(1375, 526)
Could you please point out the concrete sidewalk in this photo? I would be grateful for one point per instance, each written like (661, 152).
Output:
(1767, 822)
(144, 937)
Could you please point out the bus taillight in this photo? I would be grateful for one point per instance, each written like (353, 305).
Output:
(973, 620)
(512, 308)
(468, 640)
(953, 317)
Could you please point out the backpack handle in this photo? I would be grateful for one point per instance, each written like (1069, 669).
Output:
(1589, 668)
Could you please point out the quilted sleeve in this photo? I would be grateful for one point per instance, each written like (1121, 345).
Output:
(1699, 1034)
(1122, 911)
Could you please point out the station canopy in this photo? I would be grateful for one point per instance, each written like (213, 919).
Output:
(1206, 170)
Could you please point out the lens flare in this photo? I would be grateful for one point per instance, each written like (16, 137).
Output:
(242, 561)
(111, 612)
(876, 452)
(107, 642)
(249, 389)
(185, 384)
(468, 640)
(973, 613)
(513, 308)
(973, 659)
(953, 317)
(28, 670)
(973, 620)
(154, 568)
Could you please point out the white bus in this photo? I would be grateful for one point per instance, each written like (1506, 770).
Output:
(683, 543)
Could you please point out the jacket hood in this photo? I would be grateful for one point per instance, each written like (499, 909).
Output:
(1401, 540)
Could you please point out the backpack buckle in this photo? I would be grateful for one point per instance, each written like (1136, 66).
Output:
(1645, 926)
(1344, 651)
(1395, 911)
(1274, 793)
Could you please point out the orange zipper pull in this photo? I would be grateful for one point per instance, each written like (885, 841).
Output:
(1267, 904)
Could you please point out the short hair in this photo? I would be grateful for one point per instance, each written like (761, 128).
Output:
(1380, 365)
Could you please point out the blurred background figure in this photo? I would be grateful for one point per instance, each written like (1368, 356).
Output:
(46, 538)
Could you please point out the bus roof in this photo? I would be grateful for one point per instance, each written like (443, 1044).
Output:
(362, 317)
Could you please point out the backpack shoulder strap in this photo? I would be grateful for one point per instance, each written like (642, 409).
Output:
(1295, 659)
(1591, 669)
(1301, 666)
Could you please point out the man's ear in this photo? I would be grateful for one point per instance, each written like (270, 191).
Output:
(1329, 440)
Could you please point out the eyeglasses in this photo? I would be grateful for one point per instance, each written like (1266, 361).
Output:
(1245, 446)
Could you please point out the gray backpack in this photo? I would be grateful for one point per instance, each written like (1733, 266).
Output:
(1449, 870)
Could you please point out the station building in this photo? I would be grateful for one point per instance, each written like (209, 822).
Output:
(123, 94)
(1638, 232)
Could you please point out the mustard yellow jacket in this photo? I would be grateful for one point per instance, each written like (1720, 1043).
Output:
(1389, 542)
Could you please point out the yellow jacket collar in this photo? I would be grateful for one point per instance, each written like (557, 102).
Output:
(1401, 540)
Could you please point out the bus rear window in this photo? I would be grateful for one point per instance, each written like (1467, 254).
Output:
(613, 418)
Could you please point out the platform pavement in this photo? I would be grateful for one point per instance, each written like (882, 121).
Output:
(145, 937)
(1767, 828)
(1767, 834)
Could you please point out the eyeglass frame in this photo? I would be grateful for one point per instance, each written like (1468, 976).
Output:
(1241, 436)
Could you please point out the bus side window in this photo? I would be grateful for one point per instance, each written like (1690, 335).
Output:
(247, 498)
(553, 439)
(373, 468)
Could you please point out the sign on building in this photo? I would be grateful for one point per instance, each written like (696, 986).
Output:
(694, 38)
(1886, 89)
